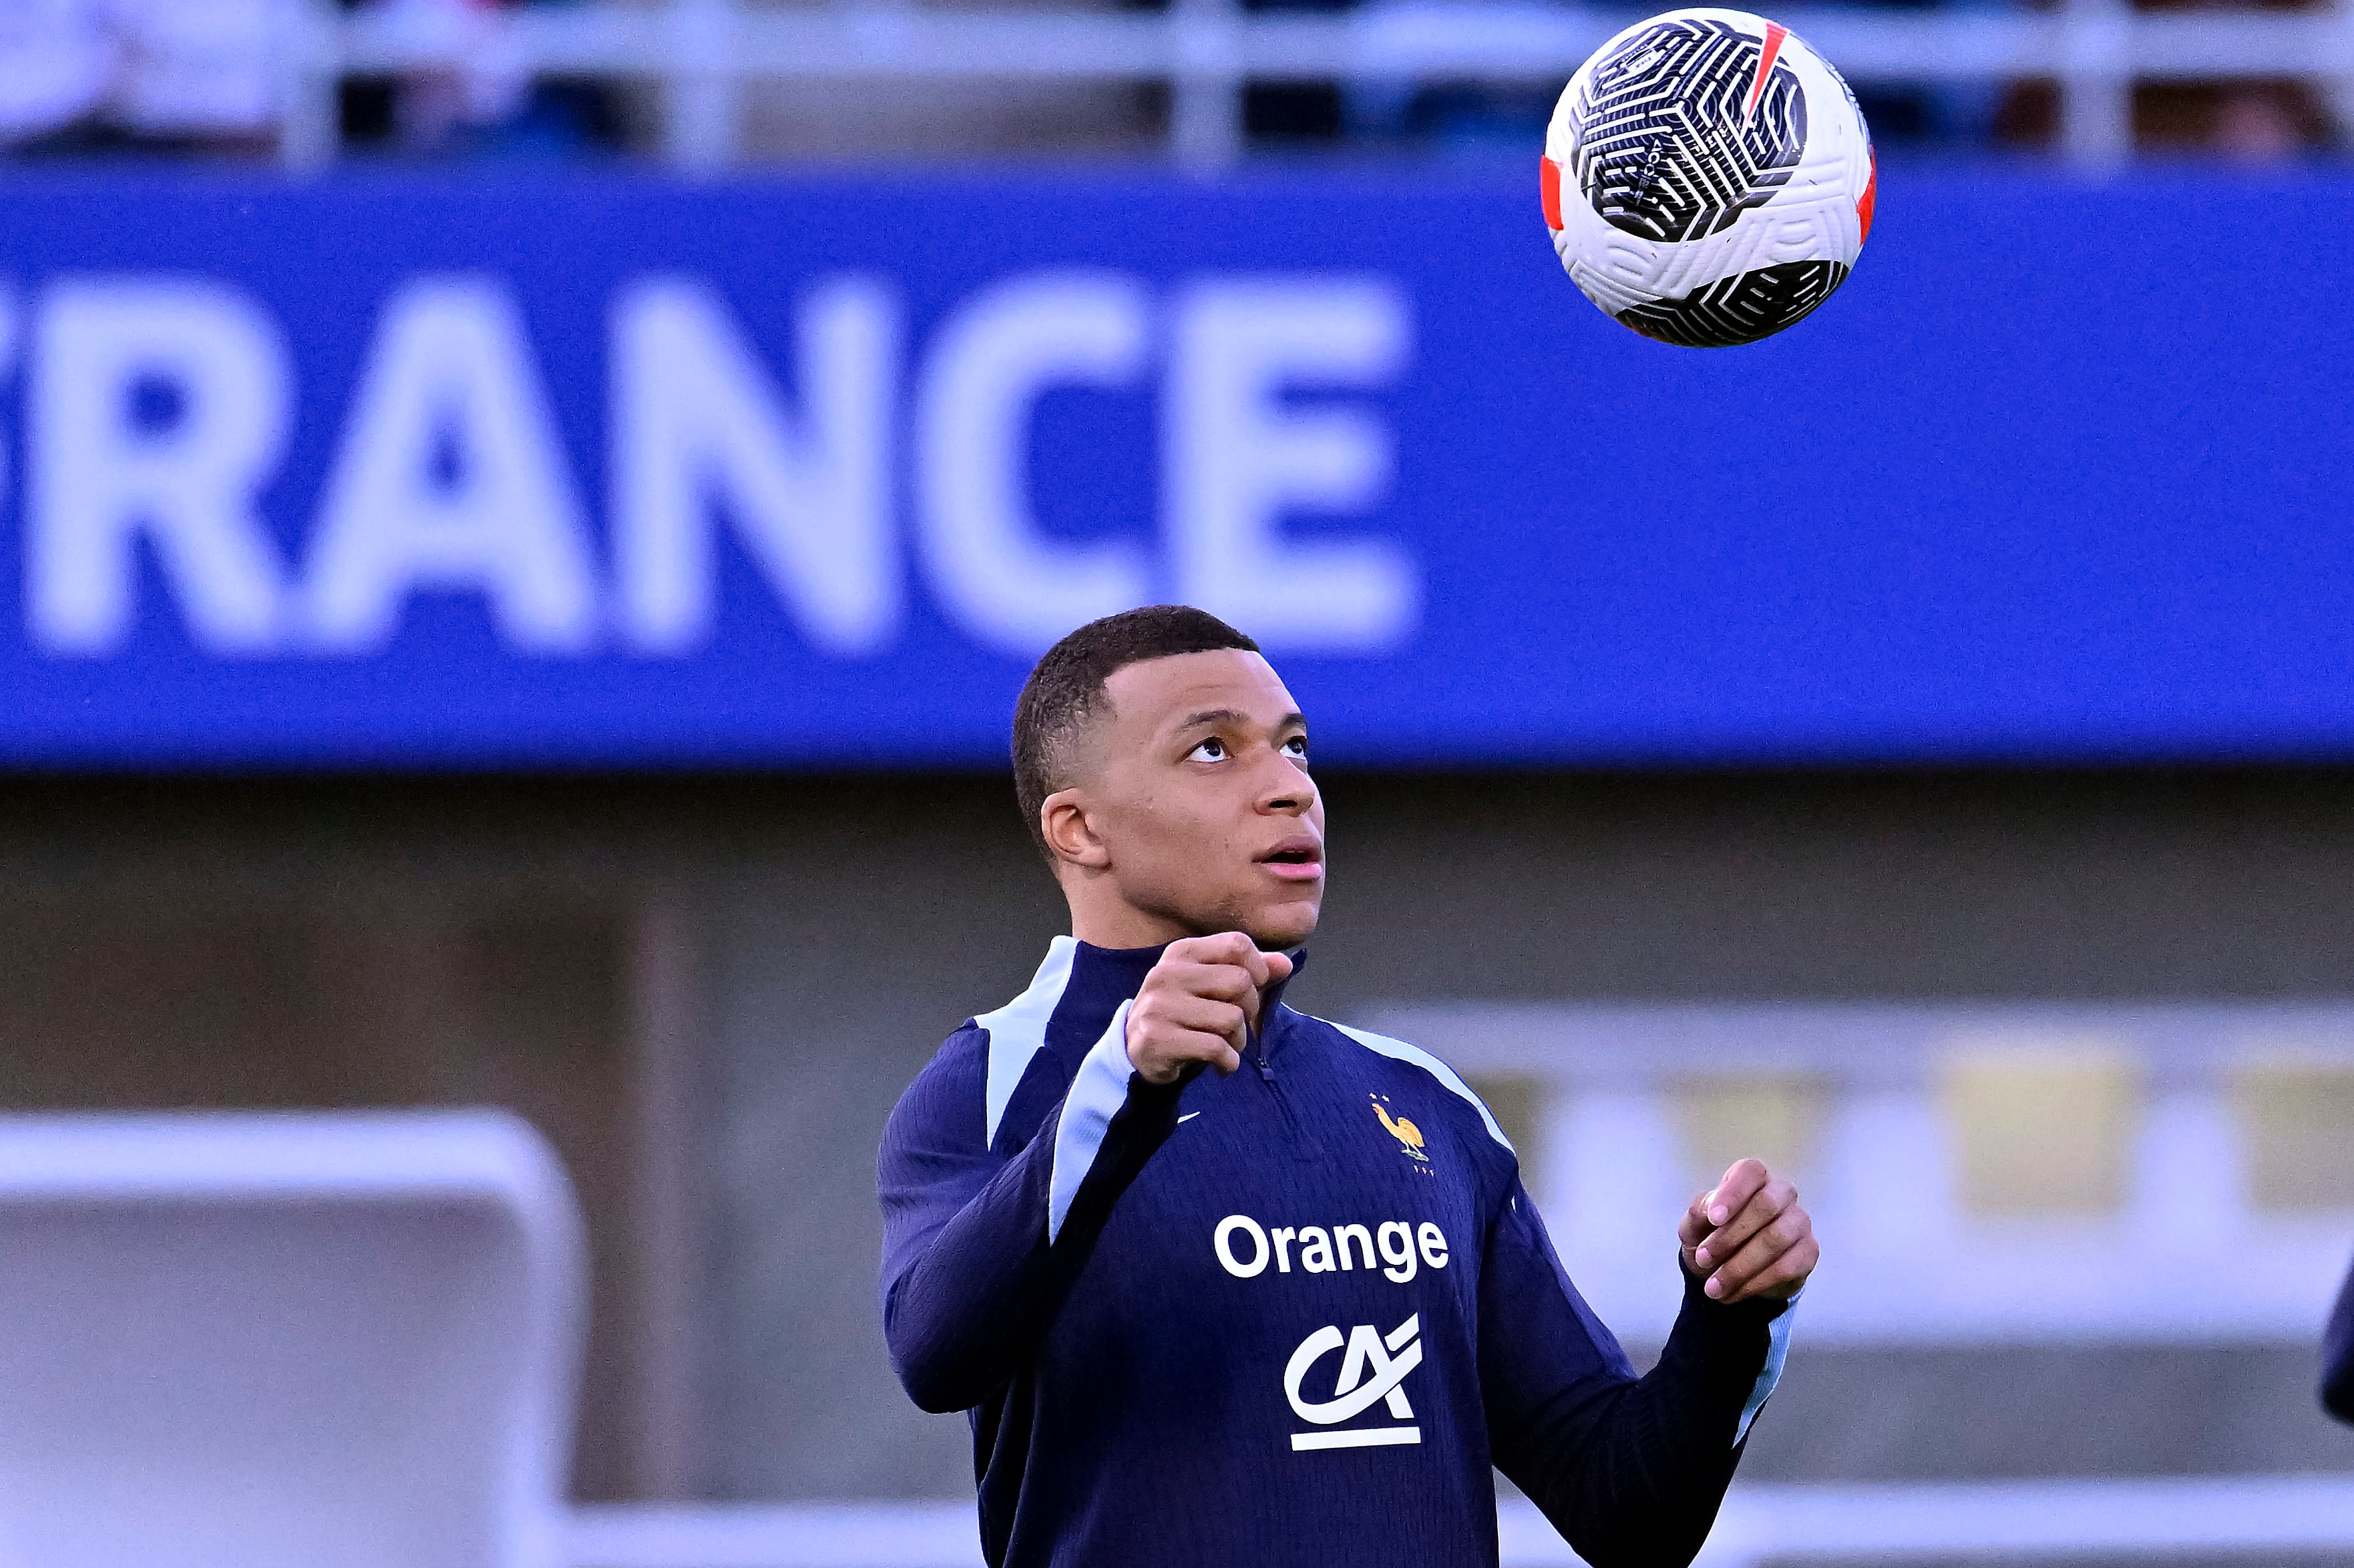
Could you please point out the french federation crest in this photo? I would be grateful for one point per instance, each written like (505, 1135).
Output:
(1409, 1137)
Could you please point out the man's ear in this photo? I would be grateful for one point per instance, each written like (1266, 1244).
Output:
(1062, 819)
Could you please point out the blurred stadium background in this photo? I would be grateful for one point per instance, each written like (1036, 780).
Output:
(525, 522)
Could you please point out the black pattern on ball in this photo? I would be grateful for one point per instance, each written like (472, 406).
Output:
(1664, 142)
(1740, 309)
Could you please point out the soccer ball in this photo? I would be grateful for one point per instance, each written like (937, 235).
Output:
(1707, 178)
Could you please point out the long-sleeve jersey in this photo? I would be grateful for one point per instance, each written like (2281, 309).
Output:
(1289, 1316)
(2337, 1356)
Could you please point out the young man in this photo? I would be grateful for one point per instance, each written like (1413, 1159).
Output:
(1226, 1285)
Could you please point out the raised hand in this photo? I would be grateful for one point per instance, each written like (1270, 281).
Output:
(1198, 1005)
(1749, 1237)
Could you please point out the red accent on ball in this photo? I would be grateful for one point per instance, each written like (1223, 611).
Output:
(1549, 190)
(1863, 202)
(1774, 34)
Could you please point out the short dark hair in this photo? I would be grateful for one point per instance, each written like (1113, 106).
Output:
(1066, 689)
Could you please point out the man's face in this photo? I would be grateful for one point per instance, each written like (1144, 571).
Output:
(1197, 785)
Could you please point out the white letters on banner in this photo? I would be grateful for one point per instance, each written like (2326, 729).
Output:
(1010, 588)
(1238, 459)
(695, 419)
(451, 477)
(158, 410)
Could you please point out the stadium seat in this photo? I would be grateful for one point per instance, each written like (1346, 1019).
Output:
(264, 1341)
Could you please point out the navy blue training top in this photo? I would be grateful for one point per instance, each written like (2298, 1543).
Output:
(1291, 1317)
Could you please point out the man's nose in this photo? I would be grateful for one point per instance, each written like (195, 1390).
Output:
(1288, 788)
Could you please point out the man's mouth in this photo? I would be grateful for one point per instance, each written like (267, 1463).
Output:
(1296, 859)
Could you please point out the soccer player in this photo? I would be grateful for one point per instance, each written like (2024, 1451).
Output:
(1223, 1285)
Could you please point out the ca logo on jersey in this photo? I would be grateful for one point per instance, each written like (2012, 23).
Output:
(1373, 1370)
(1409, 1135)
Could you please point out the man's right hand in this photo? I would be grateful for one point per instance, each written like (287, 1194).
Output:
(1198, 1005)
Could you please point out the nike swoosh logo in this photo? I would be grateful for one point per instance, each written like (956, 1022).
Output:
(1189, 1115)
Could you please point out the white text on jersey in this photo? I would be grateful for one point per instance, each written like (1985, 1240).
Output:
(1244, 1247)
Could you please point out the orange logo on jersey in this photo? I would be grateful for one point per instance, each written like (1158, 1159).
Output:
(1409, 1135)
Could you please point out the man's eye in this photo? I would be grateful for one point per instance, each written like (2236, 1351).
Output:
(1297, 747)
(1211, 750)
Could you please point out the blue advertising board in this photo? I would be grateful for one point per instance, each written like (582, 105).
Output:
(609, 471)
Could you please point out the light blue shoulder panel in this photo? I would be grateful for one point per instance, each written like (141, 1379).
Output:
(1398, 1050)
(1017, 1031)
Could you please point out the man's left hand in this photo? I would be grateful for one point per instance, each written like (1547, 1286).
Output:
(1749, 1237)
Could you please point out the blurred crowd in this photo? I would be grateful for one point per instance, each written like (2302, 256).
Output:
(212, 77)
(165, 71)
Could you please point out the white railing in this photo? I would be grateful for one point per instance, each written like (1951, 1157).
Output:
(709, 53)
(1884, 1153)
(2023, 1521)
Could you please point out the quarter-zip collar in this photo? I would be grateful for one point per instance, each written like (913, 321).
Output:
(1103, 978)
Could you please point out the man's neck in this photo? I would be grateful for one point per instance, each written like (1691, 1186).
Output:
(1123, 928)
(1101, 917)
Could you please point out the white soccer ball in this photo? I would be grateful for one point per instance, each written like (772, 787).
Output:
(1707, 178)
